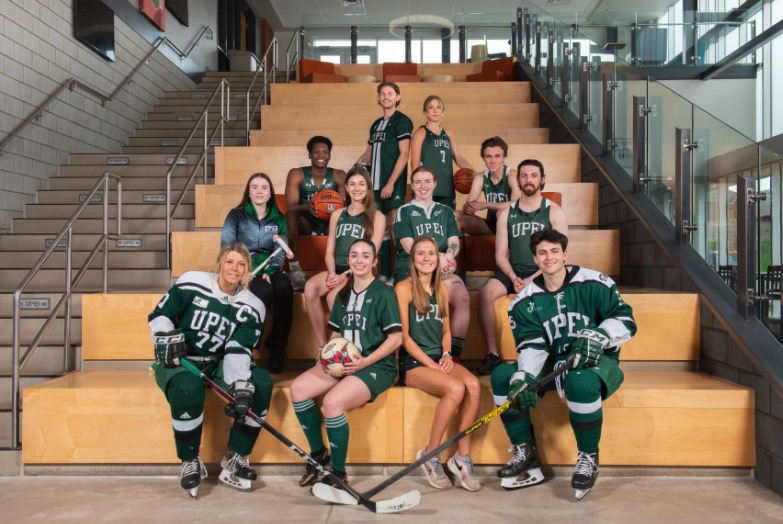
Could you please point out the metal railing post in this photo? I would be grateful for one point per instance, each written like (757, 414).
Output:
(682, 185)
(609, 86)
(746, 246)
(550, 60)
(408, 37)
(538, 47)
(634, 36)
(528, 36)
(462, 44)
(565, 77)
(514, 39)
(584, 93)
(640, 112)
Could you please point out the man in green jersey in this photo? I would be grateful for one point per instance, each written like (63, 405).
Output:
(499, 185)
(516, 223)
(564, 312)
(388, 149)
(301, 185)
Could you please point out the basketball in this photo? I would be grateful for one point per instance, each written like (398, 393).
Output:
(326, 202)
(463, 179)
(336, 353)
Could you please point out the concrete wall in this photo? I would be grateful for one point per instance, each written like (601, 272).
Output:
(645, 264)
(37, 53)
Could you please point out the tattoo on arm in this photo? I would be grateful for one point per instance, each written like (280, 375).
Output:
(452, 249)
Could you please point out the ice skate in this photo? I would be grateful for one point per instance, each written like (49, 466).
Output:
(585, 474)
(523, 470)
(191, 475)
(237, 472)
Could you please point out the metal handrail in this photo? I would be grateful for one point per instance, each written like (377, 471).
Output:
(74, 82)
(65, 302)
(262, 96)
(297, 54)
(225, 96)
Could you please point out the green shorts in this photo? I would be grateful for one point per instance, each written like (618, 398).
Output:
(378, 378)
(386, 205)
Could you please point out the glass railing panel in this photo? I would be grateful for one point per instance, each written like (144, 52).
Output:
(770, 248)
(630, 83)
(670, 111)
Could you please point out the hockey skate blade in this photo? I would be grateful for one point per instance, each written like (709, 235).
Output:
(582, 493)
(193, 492)
(233, 481)
(532, 477)
(333, 495)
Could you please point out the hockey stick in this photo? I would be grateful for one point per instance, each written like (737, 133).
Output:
(328, 493)
(281, 246)
(400, 503)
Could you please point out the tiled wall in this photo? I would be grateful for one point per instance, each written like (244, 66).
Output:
(37, 53)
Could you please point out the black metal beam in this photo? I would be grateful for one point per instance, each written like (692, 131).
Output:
(743, 51)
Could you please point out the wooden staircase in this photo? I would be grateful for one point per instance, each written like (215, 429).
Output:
(666, 413)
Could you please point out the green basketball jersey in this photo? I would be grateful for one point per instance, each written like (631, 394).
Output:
(521, 226)
(349, 228)
(213, 322)
(545, 323)
(384, 138)
(413, 221)
(367, 319)
(308, 189)
(436, 155)
(496, 193)
(426, 330)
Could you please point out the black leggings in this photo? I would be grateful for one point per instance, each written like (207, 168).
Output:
(279, 295)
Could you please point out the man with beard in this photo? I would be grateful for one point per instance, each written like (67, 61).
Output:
(516, 268)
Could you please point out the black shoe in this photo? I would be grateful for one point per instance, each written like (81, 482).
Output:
(329, 480)
(276, 360)
(489, 364)
(310, 476)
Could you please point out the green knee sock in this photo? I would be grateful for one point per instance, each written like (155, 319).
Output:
(309, 417)
(587, 429)
(338, 433)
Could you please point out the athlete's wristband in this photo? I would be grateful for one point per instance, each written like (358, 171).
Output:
(447, 354)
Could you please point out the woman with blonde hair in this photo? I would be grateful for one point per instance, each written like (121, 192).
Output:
(426, 363)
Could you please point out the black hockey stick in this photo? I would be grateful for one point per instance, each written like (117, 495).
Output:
(400, 503)
(328, 493)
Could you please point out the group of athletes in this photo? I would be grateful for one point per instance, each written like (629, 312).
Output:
(561, 316)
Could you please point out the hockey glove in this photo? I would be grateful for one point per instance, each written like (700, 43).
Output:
(589, 347)
(170, 347)
(520, 392)
(242, 391)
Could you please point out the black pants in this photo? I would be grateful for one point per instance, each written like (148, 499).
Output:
(277, 296)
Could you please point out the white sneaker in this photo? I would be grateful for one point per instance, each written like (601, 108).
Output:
(464, 472)
(433, 470)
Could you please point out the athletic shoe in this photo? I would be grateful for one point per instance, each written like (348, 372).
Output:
(434, 471)
(329, 480)
(276, 360)
(488, 365)
(310, 476)
(296, 276)
(464, 472)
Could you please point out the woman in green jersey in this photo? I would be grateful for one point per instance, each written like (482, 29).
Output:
(365, 313)
(434, 146)
(360, 219)
(426, 363)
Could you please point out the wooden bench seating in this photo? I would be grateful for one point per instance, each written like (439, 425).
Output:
(214, 202)
(115, 327)
(657, 418)
(233, 165)
(457, 70)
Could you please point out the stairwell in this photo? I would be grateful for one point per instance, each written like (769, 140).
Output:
(137, 262)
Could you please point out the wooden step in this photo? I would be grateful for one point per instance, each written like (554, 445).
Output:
(499, 116)
(94, 225)
(153, 184)
(155, 210)
(413, 95)
(52, 280)
(114, 159)
(86, 242)
(115, 328)
(213, 202)
(129, 196)
(655, 419)
(348, 137)
(234, 165)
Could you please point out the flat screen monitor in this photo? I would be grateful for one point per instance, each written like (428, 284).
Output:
(93, 23)
(178, 8)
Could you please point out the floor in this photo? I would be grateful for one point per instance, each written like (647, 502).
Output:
(279, 499)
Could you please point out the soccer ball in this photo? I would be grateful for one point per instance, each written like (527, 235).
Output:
(336, 353)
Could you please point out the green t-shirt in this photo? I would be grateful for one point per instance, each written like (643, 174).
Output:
(384, 139)
(521, 226)
(413, 221)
